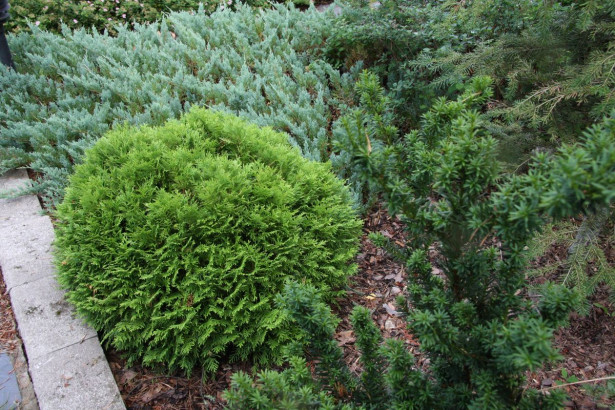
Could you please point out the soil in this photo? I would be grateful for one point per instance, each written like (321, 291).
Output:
(15, 385)
(9, 339)
(587, 345)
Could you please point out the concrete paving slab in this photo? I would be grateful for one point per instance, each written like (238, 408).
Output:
(25, 250)
(46, 321)
(66, 363)
(76, 377)
(14, 180)
(15, 210)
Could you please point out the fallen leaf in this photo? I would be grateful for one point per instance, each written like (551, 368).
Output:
(152, 393)
(345, 337)
(399, 278)
(127, 376)
(390, 309)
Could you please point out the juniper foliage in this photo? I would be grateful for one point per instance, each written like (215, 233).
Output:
(69, 89)
(173, 241)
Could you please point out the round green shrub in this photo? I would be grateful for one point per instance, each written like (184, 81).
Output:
(173, 241)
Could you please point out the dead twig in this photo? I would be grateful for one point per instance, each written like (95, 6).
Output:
(580, 382)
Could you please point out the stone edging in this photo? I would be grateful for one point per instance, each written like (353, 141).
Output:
(66, 363)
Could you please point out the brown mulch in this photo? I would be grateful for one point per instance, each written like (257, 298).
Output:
(588, 344)
(588, 347)
(9, 340)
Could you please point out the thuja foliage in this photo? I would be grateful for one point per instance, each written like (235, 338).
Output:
(173, 241)
(69, 89)
(473, 322)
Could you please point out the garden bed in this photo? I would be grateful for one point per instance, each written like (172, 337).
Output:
(588, 344)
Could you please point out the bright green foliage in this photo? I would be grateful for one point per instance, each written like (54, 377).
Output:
(69, 90)
(173, 241)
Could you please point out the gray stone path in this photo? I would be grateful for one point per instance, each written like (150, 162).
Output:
(66, 363)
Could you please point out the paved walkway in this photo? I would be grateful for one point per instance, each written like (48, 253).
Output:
(66, 363)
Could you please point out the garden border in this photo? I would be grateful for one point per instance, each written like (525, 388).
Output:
(66, 363)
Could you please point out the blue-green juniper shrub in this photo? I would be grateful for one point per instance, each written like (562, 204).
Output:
(173, 241)
(68, 90)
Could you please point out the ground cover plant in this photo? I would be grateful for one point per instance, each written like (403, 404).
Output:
(69, 89)
(552, 68)
(173, 241)
(101, 15)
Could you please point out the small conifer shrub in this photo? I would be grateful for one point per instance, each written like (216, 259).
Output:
(173, 241)
(473, 322)
(68, 90)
